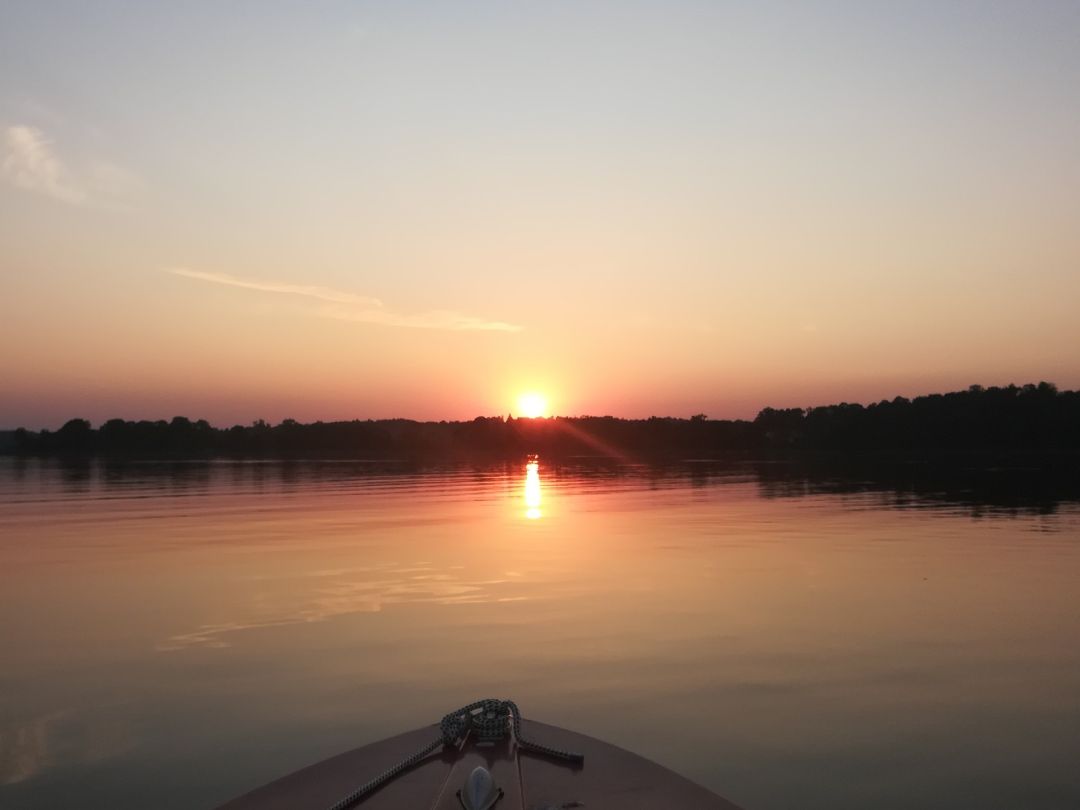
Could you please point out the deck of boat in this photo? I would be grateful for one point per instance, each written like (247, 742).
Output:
(610, 777)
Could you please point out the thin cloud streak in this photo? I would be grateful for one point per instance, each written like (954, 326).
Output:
(30, 164)
(357, 308)
(308, 291)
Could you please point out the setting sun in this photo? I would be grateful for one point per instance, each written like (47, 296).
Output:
(532, 405)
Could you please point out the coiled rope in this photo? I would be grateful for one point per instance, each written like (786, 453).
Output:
(489, 719)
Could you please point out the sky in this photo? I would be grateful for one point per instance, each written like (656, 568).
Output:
(337, 210)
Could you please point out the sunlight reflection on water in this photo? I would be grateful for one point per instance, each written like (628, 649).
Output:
(532, 490)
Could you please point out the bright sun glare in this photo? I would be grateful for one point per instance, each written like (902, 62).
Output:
(532, 405)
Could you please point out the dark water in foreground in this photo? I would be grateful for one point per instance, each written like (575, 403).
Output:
(174, 635)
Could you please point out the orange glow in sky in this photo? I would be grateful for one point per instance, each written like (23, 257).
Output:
(772, 210)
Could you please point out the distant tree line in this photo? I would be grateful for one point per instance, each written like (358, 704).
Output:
(1029, 418)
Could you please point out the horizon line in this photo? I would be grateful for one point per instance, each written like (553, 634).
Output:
(1041, 385)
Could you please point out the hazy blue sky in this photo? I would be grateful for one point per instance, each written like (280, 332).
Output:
(325, 210)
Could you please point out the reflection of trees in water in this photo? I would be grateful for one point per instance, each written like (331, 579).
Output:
(77, 474)
(977, 487)
(1038, 487)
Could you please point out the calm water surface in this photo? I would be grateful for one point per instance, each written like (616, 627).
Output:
(173, 635)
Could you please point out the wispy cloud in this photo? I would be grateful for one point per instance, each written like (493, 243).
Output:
(307, 290)
(349, 306)
(31, 163)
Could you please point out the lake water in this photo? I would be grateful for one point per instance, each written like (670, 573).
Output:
(174, 635)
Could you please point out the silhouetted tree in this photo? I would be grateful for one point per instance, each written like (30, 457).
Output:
(1034, 418)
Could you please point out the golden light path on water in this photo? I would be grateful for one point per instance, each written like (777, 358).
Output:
(532, 490)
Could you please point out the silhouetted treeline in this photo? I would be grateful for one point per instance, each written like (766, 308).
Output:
(1035, 419)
